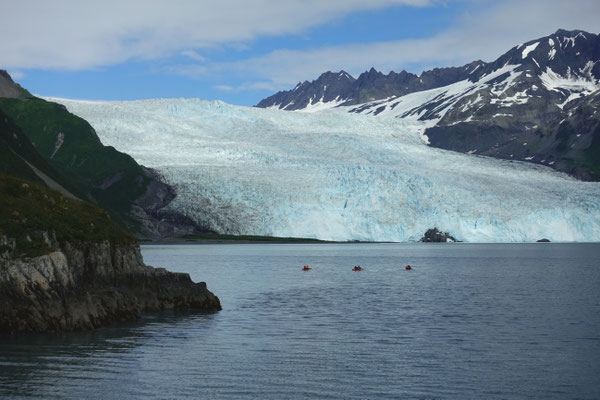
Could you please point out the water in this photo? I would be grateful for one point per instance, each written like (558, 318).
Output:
(469, 321)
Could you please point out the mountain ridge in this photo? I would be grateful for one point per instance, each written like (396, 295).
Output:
(511, 108)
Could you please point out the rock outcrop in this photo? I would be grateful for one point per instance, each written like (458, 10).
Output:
(86, 285)
(435, 235)
(8, 88)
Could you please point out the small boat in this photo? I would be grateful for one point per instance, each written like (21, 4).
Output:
(357, 268)
(408, 268)
(306, 268)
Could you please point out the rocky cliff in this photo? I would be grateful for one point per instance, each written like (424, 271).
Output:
(85, 286)
(8, 88)
(66, 265)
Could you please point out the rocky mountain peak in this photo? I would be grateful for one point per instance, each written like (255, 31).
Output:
(4, 74)
(8, 88)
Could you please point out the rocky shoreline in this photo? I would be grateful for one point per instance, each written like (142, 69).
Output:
(82, 286)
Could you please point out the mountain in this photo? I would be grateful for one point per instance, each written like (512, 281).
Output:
(537, 103)
(341, 89)
(8, 88)
(338, 176)
(328, 88)
(43, 142)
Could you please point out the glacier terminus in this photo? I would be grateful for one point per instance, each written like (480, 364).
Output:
(335, 175)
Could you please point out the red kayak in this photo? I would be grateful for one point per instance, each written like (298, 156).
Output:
(306, 268)
(408, 268)
(357, 269)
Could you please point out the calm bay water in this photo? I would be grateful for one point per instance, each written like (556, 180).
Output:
(469, 321)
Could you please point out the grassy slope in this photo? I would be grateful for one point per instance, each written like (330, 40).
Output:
(81, 159)
(592, 156)
(15, 147)
(28, 209)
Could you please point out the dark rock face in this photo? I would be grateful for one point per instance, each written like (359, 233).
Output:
(328, 87)
(8, 88)
(89, 285)
(435, 235)
(544, 240)
(544, 112)
(369, 86)
(155, 221)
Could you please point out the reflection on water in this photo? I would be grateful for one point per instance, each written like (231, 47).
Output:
(470, 321)
(92, 363)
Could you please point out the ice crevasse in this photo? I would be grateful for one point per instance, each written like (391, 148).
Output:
(337, 176)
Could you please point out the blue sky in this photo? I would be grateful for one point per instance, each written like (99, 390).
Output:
(243, 51)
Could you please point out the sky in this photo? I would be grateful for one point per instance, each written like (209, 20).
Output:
(241, 51)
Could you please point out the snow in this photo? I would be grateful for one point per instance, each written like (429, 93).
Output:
(529, 49)
(60, 139)
(411, 107)
(572, 96)
(274, 106)
(320, 105)
(566, 41)
(573, 84)
(507, 101)
(338, 175)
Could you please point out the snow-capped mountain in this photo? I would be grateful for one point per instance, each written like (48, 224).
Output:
(538, 102)
(338, 175)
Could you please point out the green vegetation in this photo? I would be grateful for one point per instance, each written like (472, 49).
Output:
(565, 132)
(16, 151)
(28, 210)
(100, 174)
(592, 155)
(248, 238)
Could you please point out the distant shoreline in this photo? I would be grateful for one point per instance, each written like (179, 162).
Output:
(244, 239)
(251, 239)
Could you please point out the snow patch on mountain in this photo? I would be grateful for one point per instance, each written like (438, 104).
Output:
(321, 105)
(529, 49)
(570, 83)
(413, 106)
(340, 176)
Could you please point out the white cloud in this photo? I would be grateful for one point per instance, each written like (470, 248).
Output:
(194, 55)
(16, 75)
(485, 34)
(225, 88)
(75, 34)
(247, 86)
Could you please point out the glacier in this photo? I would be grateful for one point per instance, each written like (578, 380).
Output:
(335, 175)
